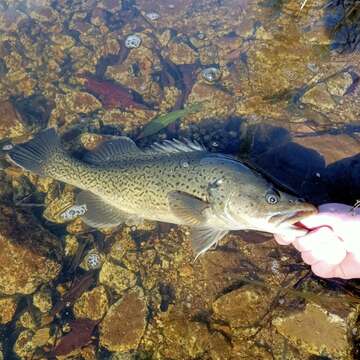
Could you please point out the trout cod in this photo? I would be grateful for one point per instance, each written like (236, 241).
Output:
(177, 182)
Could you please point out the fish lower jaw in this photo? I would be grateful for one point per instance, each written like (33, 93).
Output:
(290, 218)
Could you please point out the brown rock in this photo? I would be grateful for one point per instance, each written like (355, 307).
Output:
(82, 102)
(217, 103)
(142, 79)
(331, 147)
(23, 346)
(42, 300)
(116, 277)
(28, 341)
(187, 339)
(10, 121)
(181, 53)
(23, 259)
(241, 307)
(92, 304)
(124, 324)
(27, 320)
(318, 330)
(57, 204)
(319, 97)
(7, 309)
(10, 19)
(338, 85)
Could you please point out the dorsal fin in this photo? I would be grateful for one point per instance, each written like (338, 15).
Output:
(173, 146)
(113, 150)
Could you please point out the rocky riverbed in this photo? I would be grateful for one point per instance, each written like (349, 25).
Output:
(278, 86)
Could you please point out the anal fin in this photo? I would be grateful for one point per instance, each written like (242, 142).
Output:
(99, 213)
(203, 238)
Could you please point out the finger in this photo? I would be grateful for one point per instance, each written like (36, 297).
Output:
(308, 258)
(333, 214)
(335, 208)
(330, 250)
(321, 219)
(307, 243)
(323, 269)
(348, 229)
(352, 243)
(283, 239)
(349, 268)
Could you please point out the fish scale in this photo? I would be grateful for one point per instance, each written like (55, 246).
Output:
(176, 182)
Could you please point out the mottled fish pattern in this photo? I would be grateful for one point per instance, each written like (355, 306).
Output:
(175, 181)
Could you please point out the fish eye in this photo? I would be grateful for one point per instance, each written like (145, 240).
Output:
(272, 198)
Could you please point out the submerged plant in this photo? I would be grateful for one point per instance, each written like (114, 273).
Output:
(303, 4)
(163, 121)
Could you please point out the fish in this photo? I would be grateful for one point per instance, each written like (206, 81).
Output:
(175, 181)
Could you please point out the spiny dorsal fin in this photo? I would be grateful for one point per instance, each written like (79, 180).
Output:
(113, 150)
(173, 146)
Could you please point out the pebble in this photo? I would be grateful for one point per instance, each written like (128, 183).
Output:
(93, 260)
(133, 42)
(153, 16)
(211, 74)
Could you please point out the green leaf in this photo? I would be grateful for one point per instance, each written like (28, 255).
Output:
(163, 121)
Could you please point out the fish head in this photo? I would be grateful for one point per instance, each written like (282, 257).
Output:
(256, 204)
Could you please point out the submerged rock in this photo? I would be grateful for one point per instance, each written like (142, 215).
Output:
(339, 84)
(24, 263)
(7, 309)
(116, 277)
(23, 346)
(81, 102)
(11, 124)
(184, 338)
(319, 330)
(92, 304)
(124, 324)
(133, 41)
(211, 74)
(28, 341)
(92, 260)
(180, 53)
(58, 206)
(42, 300)
(332, 147)
(219, 104)
(27, 320)
(319, 97)
(241, 307)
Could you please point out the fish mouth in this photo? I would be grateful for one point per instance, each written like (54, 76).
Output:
(292, 217)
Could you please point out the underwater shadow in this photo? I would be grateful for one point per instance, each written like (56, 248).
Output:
(280, 156)
(342, 20)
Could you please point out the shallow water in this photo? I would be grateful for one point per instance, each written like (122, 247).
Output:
(283, 95)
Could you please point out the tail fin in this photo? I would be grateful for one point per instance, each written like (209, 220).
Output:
(36, 153)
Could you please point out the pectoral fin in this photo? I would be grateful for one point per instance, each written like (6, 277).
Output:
(187, 208)
(100, 214)
(203, 238)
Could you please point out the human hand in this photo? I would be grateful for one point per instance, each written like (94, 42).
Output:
(332, 244)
